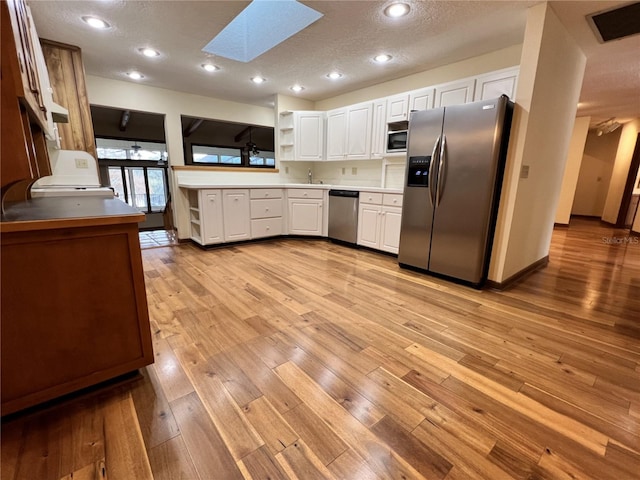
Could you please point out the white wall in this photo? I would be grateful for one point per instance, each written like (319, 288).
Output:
(551, 71)
(626, 146)
(506, 57)
(595, 173)
(361, 173)
(572, 169)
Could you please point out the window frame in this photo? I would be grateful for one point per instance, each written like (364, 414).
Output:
(245, 158)
(144, 165)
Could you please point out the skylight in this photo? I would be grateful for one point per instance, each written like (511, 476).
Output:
(260, 27)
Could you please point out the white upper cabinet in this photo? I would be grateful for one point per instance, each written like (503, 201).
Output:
(379, 128)
(421, 99)
(336, 134)
(349, 132)
(301, 135)
(494, 84)
(359, 120)
(397, 108)
(454, 93)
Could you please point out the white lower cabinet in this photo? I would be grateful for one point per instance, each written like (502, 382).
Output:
(205, 216)
(236, 214)
(306, 211)
(266, 212)
(379, 221)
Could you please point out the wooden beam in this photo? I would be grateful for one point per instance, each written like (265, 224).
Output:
(193, 126)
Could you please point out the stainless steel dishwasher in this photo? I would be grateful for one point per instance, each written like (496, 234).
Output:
(343, 215)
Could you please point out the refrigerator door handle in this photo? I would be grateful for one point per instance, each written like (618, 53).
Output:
(434, 156)
(441, 169)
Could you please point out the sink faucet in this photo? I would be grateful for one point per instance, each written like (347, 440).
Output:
(310, 176)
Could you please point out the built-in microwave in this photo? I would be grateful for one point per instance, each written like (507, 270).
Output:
(397, 137)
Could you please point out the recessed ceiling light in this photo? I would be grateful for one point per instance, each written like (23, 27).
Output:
(209, 67)
(149, 52)
(135, 75)
(334, 75)
(258, 80)
(297, 88)
(95, 22)
(382, 58)
(396, 10)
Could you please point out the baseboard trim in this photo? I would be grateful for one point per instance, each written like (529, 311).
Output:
(633, 232)
(525, 272)
(560, 225)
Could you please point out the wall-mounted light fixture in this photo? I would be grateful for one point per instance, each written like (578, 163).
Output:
(607, 126)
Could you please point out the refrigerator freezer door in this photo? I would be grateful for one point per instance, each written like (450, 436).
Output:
(425, 128)
(463, 217)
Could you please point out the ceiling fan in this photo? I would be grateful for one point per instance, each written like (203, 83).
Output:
(251, 147)
(136, 151)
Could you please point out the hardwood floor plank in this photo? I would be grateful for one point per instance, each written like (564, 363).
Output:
(383, 460)
(12, 434)
(211, 456)
(350, 466)
(93, 471)
(626, 437)
(82, 436)
(274, 430)
(36, 459)
(154, 414)
(262, 465)
(238, 434)
(272, 387)
(625, 458)
(125, 455)
(465, 460)
(171, 461)
(300, 462)
(508, 379)
(426, 461)
(519, 403)
(436, 413)
(233, 378)
(174, 381)
(315, 433)
(342, 392)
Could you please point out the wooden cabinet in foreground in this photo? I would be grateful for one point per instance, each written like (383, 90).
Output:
(74, 309)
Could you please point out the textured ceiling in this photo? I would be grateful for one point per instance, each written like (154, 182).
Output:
(345, 39)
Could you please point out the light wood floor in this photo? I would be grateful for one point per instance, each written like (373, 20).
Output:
(309, 360)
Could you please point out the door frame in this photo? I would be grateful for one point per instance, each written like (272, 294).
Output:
(629, 185)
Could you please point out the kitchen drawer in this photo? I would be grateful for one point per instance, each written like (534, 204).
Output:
(370, 197)
(266, 193)
(266, 207)
(305, 193)
(266, 227)
(392, 199)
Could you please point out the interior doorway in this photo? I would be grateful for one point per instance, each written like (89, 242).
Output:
(631, 195)
(133, 160)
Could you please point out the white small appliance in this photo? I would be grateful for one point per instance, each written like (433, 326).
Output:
(74, 172)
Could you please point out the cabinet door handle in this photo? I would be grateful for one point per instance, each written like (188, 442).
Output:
(266, 194)
(305, 194)
(235, 199)
(266, 209)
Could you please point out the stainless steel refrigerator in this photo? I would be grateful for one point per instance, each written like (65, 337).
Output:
(455, 162)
